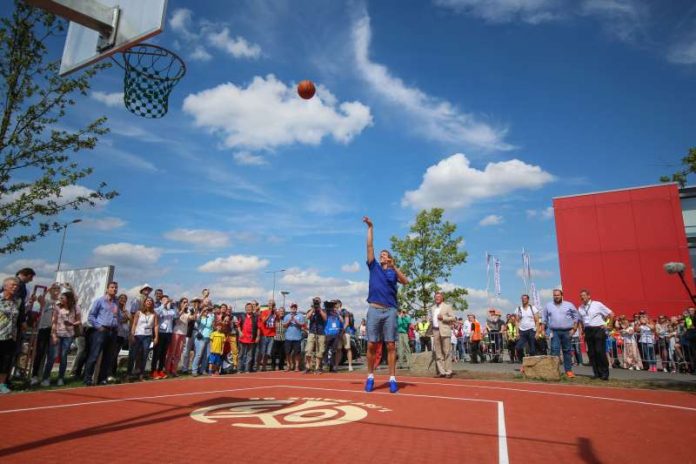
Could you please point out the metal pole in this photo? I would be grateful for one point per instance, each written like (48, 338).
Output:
(274, 274)
(62, 244)
(688, 290)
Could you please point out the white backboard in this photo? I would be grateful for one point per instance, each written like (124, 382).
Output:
(89, 284)
(139, 20)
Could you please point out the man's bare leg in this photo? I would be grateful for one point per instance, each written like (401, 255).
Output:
(391, 358)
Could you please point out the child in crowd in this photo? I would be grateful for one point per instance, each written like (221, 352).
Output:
(217, 345)
(631, 355)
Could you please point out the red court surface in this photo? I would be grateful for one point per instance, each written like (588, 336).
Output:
(330, 419)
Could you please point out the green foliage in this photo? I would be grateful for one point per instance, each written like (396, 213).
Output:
(427, 256)
(35, 154)
(689, 167)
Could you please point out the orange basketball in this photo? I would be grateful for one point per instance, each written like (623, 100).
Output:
(306, 89)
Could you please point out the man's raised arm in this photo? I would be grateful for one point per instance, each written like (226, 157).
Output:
(370, 240)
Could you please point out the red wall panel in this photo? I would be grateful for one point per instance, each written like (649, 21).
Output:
(616, 243)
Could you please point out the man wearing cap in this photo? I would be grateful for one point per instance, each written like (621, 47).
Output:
(135, 305)
(293, 322)
(494, 325)
(382, 310)
(561, 317)
(594, 317)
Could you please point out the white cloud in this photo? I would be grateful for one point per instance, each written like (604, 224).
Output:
(491, 220)
(238, 47)
(199, 237)
(268, 114)
(127, 254)
(40, 266)
(114, 99)
(352, 267)
(105, 223)
(194, 33)
(308, 278)
(546, 213)
(244, 158)
(327, 204)
(234, 264)
(304, 284)
(454, 184)
(199, 53)
(68, 194)
(503, 11)
(125, 158)
(624, 19)
(435, 118)
(480, 302)
(683, 51)
(180, 21)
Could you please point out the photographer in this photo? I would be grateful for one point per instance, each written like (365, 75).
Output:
(334, 334)
(181, 325)
(193, 311)
(316, 339)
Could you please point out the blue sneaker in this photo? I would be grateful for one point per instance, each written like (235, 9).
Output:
(3, 389)
(393, 386)
(370, 385)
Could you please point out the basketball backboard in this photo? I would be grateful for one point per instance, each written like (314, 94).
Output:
(135, 21)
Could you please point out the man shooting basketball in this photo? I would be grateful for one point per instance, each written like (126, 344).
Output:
(382, 310)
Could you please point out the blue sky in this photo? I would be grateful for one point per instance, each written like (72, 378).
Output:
(487, 108)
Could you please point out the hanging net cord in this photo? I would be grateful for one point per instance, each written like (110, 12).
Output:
(151, 74)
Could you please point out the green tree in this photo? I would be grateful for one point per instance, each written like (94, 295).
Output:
(688, 167)
(38, 175)
(427, 255)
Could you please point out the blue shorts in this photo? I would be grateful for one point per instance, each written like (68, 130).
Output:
(215, 359)
(381, 325)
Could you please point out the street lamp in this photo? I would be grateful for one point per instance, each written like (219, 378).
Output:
(284, 293)
(678, 268)
(274, 278)
(62, 242)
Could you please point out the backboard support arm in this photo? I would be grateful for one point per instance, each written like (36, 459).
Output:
(88, 13)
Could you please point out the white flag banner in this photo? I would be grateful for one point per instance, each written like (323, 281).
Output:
(496, 277)
(535, 296)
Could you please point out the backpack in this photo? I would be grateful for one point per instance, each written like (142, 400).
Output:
(334, 325)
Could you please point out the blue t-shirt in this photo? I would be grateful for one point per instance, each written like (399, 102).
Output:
(294, 331)
(382, 288)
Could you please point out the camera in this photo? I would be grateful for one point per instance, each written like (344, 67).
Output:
(329, 305)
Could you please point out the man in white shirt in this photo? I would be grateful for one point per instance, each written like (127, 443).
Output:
(527, 326)
(594, 316)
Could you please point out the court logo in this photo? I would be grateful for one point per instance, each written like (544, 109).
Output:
(291, 413)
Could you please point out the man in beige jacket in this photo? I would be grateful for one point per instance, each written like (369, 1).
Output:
(442, 318)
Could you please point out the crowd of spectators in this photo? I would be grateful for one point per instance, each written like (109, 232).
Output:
(639, 342)
(155, 336)
(162, 337)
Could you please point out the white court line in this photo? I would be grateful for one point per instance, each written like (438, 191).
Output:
(487, 387)
(502, 436)
(119, 400)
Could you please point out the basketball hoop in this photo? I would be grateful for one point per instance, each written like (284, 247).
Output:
(151, 74)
